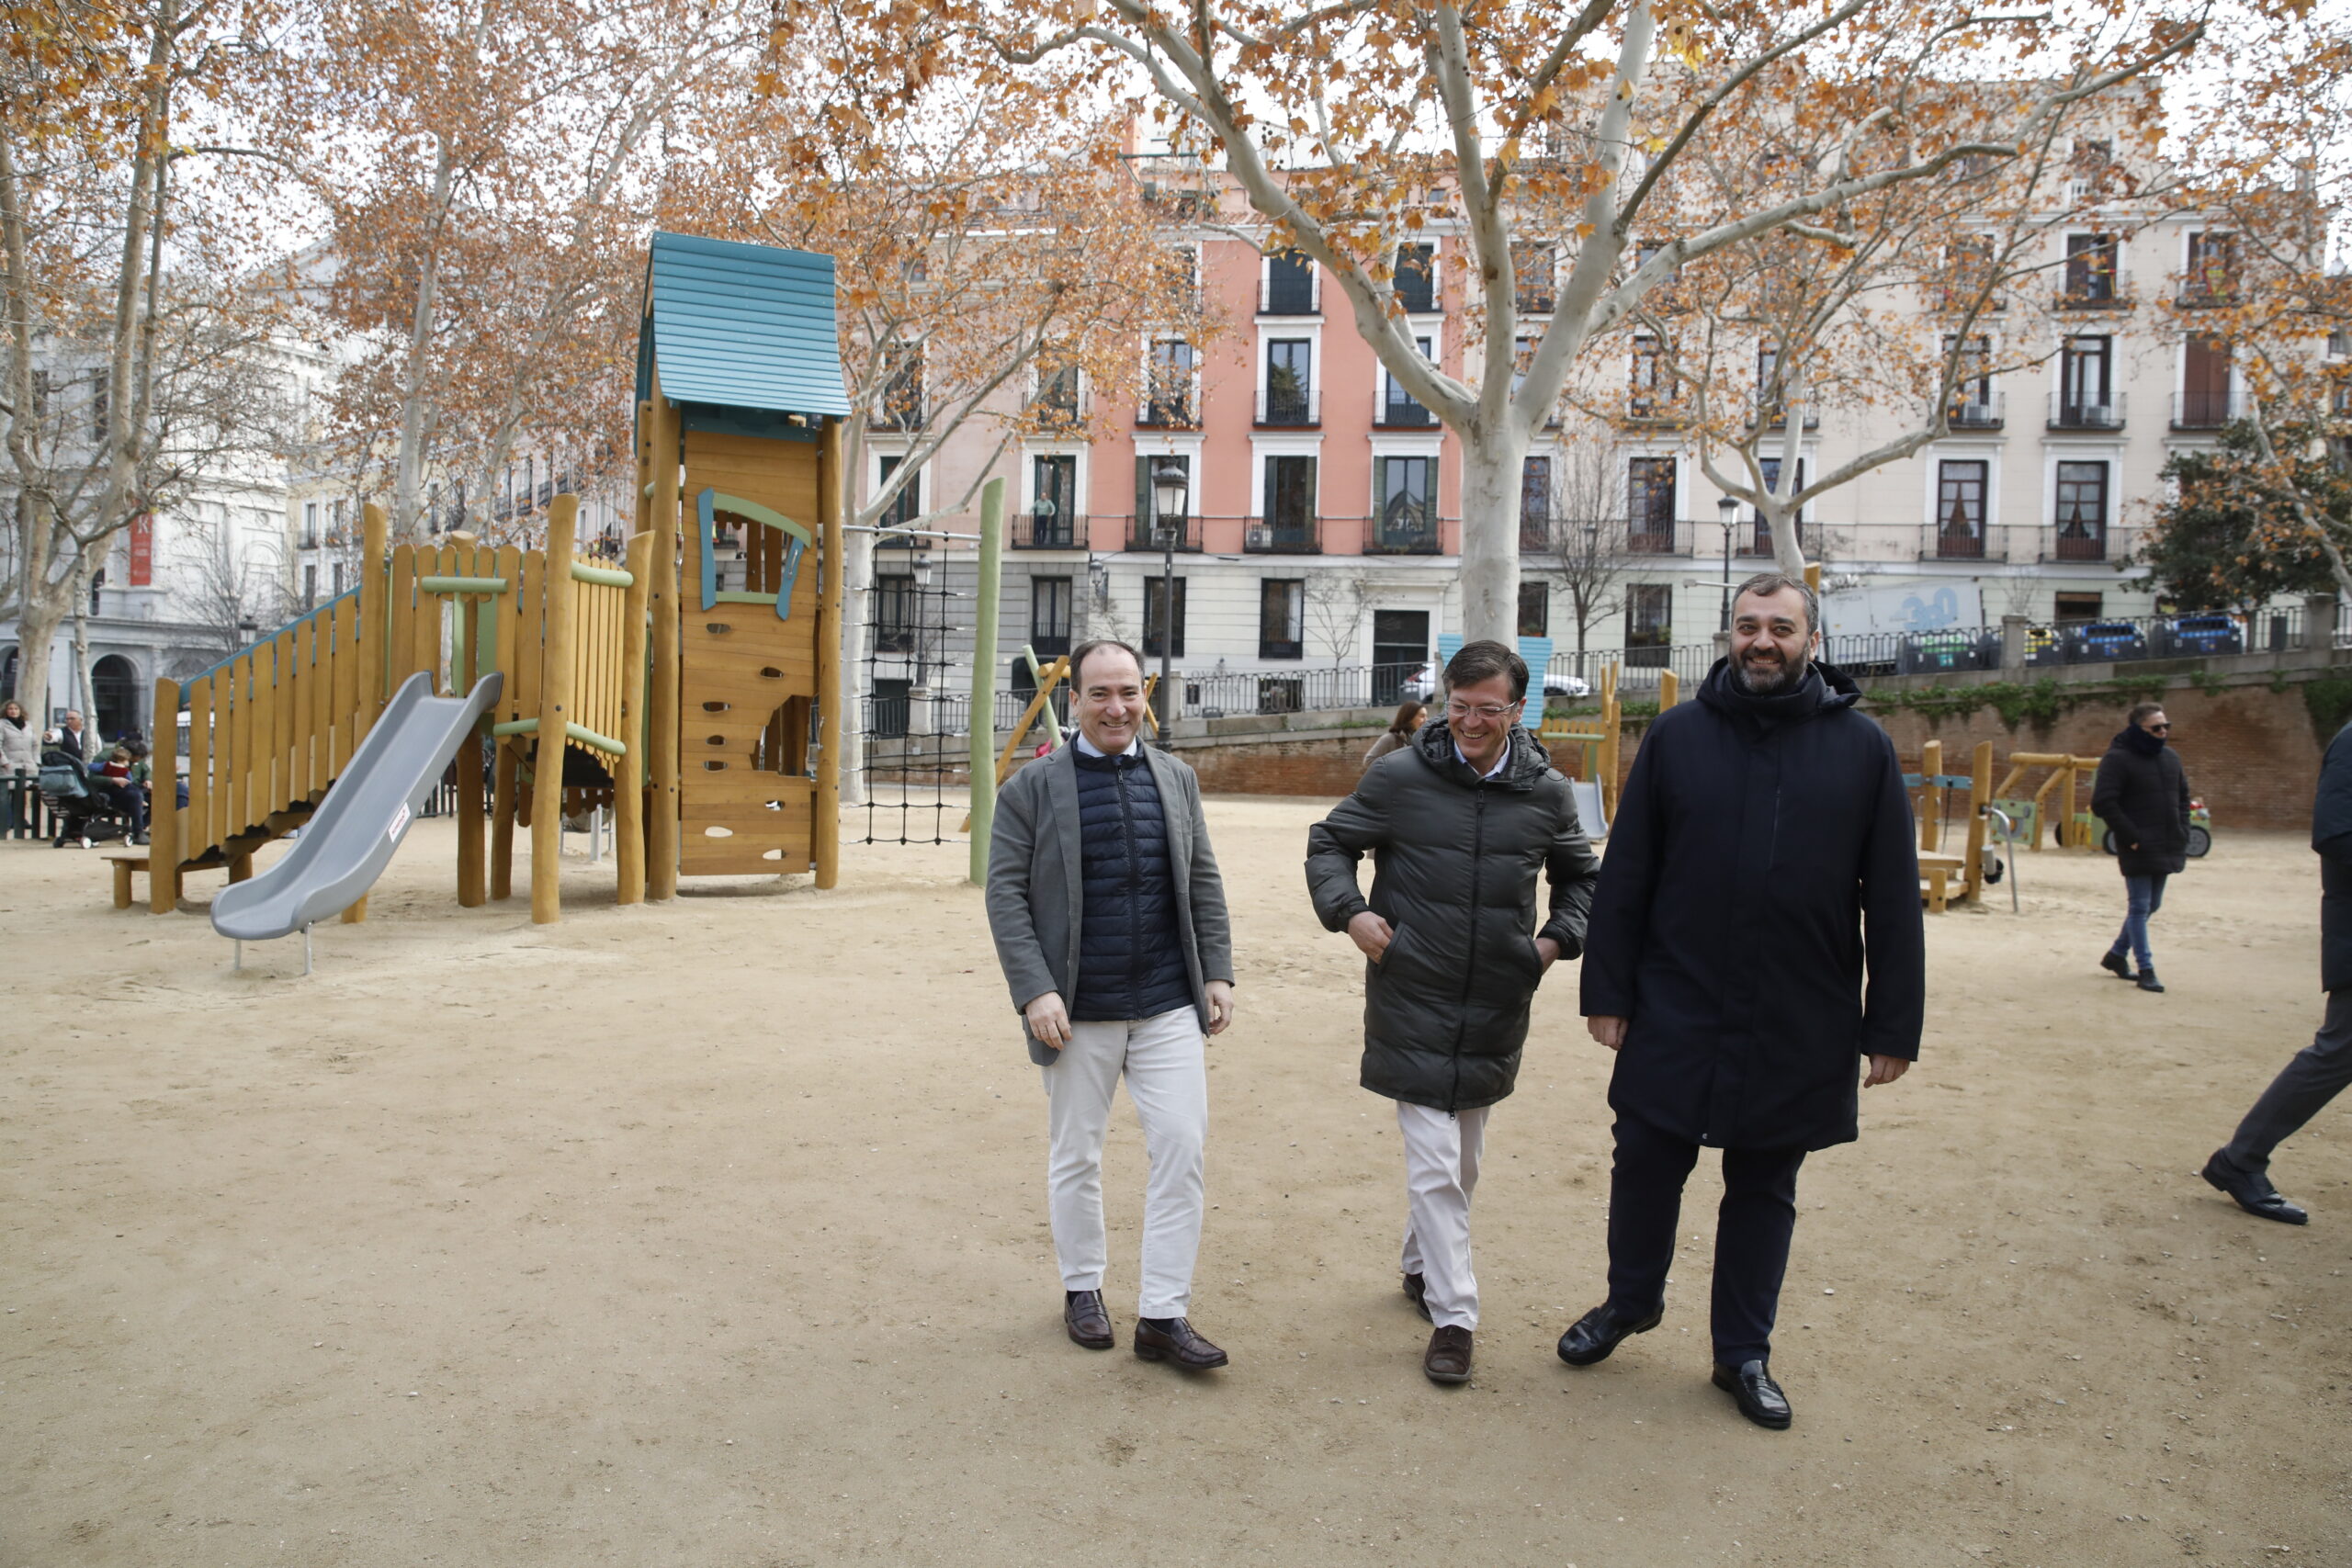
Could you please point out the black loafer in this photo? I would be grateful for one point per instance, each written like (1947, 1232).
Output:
(1759, 1398)
(1088, 1324)
(2148, 981)
(1179, 1342)
(1592, 1337)
(2116, 965)
(1447, 1361)
(1417, 1290)
(2254, 1193)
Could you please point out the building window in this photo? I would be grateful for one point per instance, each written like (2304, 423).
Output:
(1959, 509)
(1645, 378)
(1053, 506)
(1155, 617)
(309, 584)
(1415, 280)
(98, 386)
(2082, 511)
(905, 506)
(2090, 269)
(1533, 271)
(1290, 382)
(895, 613)
(338, 579)
(1649, 624)
(1406, 505)
(1650, 505)
(2204, 384)
(1534, 607)
(309, 524)
(1536, 503)
(1398, 407)
(1167, 398)
(2084, 382)
(1146, 503)
(1972, 402)
(899, 404)
(1282, 617)
(1290, 501)
(1049, 601)
(1057, 396)
(1290, 285)
(2212, 266)
(2077, 607)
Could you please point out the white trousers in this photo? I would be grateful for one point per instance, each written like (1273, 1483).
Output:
(1166, 1073)
(1441, 1172)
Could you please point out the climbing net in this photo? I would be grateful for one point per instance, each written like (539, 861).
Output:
(917, 756)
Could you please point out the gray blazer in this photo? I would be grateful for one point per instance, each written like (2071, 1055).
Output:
(1035, 895)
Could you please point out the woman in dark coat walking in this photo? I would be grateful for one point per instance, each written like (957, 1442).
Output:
(2143, 796)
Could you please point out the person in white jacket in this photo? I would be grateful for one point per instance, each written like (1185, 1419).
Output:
(19, 761)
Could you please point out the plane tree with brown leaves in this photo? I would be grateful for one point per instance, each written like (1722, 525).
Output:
(1353, 125)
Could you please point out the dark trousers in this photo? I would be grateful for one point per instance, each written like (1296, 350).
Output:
(124, 799)
(2305, 1085)
(1752, 1229)
(2142, 896)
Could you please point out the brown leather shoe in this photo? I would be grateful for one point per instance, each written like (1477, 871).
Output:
(1088, 1324)
(1178, 1343)
(1448, 1357)
(1417, 1290)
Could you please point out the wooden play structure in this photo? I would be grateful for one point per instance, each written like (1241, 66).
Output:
(1946, 878)
(693, 689)
(1599, 738)
(2065, 782)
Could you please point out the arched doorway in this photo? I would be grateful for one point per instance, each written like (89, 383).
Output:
(114, 686)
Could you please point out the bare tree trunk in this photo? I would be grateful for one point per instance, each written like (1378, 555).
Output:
(1490, 492)
(85, 696)
(408, 471)
(1788, 550)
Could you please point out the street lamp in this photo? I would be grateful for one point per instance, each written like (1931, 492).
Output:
(1170, 481)
(1727, 511)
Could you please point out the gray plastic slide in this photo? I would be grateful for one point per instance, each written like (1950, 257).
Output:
(351, 837)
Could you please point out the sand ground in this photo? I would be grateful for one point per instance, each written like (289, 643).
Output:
(712, 1233)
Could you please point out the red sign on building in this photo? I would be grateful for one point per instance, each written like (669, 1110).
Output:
(142, 551)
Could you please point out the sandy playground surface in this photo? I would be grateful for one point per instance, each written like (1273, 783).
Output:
(714, 1235)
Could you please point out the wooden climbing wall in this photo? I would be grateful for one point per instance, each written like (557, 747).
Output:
(747, 680)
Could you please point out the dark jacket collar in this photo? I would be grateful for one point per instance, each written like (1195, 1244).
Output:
(1825, 689)
(1528, 761)
(2133, 738)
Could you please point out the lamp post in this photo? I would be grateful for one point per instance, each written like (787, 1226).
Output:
(1168, 483)
(1727, 516)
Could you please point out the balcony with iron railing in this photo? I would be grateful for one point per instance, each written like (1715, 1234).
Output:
(1983, 412)
(1282, 536)
(898, 409)
(2094, 294)
(1176, 410)
(1054, 530)
(1397, 411)
(1287, 294)
(1057, 406)
(1754, 538)
(1957, 540)
(2069, 414)
(1660, 536)
(1289, 408)
(1155, 534)
(2085, 541)
(1403, 532)
(2206, 410)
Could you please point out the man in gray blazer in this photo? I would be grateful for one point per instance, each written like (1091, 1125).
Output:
(1109, 919)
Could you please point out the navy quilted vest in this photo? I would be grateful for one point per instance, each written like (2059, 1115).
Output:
(1130, 963)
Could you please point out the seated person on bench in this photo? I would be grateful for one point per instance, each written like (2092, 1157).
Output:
(112, 784)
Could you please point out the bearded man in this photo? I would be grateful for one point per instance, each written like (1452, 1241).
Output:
(1762, 832)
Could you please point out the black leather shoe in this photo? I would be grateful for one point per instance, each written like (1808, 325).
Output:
(2148, 981)
(1598, 1332)
(1417, 1290)
(1176, 1342)
(2116, 965)
(1448, 1358)
(2254, 1193)
(1761, 1399)
(1088, 1324)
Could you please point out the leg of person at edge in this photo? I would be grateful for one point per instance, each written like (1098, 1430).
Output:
(2316, 1073)
(1110, 922)
(2143, 795)
(1462, 820)
(1756, 948)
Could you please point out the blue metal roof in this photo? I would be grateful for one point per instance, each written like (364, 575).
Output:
(740, 326)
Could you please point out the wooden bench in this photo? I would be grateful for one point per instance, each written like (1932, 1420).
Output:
(1941, 877)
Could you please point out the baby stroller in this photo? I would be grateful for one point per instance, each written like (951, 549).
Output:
(82, 815)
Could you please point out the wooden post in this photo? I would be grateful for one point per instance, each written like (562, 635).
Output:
(1612, 730)
(662, 704)
(472, 893)
(1931, 795)
(501, 822)
(1669, 690)
(555, 712)
(1980, 796)
(374, 633)
(164, 816)
(2067, 836)
(628, 776)
(825, 832)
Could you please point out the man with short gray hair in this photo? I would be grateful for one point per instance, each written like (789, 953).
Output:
(1110, 924)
